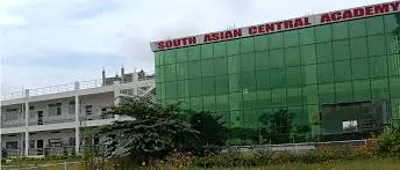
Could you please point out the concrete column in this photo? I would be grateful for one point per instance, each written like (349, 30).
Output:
(77, 123)
(117, 95)
(26, 122)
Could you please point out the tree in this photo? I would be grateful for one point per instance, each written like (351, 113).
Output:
(154, 131)
(277, 126)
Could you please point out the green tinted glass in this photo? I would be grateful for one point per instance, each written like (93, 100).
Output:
(308, 55)
(233, 47)
(277, 58)
(263, 79)
(325, 73)
(221, 65)
(323, 33)
(375, 25)
(344, 92)
(309, 74)
(208, 86)
(378, 67)
(220, 49)
(293, 76)
(262, 60)
(207, 67)
(247, 45)
(261, 43)
(341, 50)
(193, 53)
(324, 52)
(360, 68)
(221, 84)
(362, 90)
(170, 57)
(248, 62)
(306, 36)
(181, 55)
(357, 28)
(291, 38)
(326, 93)
(234, 64)
(340, 30)
(276, 40)
(358, 47)
(249, 83)
(376, 45)
(207, 51)
(278, 78)
(195, 88)
(292, 57)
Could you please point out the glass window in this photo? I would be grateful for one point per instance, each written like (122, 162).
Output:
(235, 101)
(222, 66)
(170, 56)
(248, 62)
(195, 87)
(278, 78)
(391, 23)
(194, 69)
(310, 94)
(293, 76)
(392, 43)
(323, 33)
(171, 90)
(380, 89)
(325, 73)
(394, 64)
(193, 52)
(309, 74)
(234, 64)
(250, 119)
(221, 84)
(233, 47)
(209, 103)
(219, 49)
(307, 36)
(277, 58)
(375, 25)
(263, 79)
(276, 40)
(376, 45)
(159, 58)
(249, 82)
(324, 52)
(160, 70)
(291, 38)
(358, 47)
(264, 99)
(359, 68)
(261, 43)
(196, 103)
(183, 88)
(292, 57)
(279, 97)
(160, 90)
(395, 87)
(207, 51)
(357, 28)
(308, 55)
(326, 93)
(247, 45)
(294, 96)
(170, 72)
(222, 103)
(235, 83)
(207, 67)
(342, 70)
(344, 92)
(182, 70)
(249, 101)
(208, 86)
(340, 30)
(361, 90)
(378, 67)
(341, 50)
(181, 55)
(262, 60)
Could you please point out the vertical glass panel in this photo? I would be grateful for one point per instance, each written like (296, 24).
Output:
(361, 90)
(160, 70)
(235, 83)
(357, 28)
(221, 84)
(293, 76)
(262, 60)
(170, 72)
(160, 90)
(307, 54)
(193, 53)
(234, 64)
(309, 74)
(376, 45)
(248, 62)
(181, 55)
(325, 73)
(221, 64)
(395, 87)
(394, 64)
(247, 45)
(236, 101)
(326, 93)
(375, 25)
(344, 92)
(276, 40)
(249, 82)
(251, 119)
(196, 103)
(183, 89)
(278, 78)
(291, 38)
(207, 67)
(392, 43)
(391, 23)
(323, 33)
(182, 70)
(380, 89)
(233, 47)
(236, 119)
(194, 69)
(342, 70)
(261, 43)
(250, 101)
(395, 109)
(358, 47)
(209, 103)
(307, 36)
(264, 99)
(292, 57)
(324, 52)
(341, 50)
(171, 90)
(294, 96)
(222, 103)
(220, 49)
(195, 87)
(208, 86)
(207, 51)
(279, 97)
(170, 57)
(263, 80)
(277, 58)
(360, 69)
(340, 30)
(378, 67)
(159, 58)
(310, 94)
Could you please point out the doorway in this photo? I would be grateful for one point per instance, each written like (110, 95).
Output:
(40, 118)
(39, 145)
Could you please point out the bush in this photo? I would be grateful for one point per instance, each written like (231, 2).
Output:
(388, 143)
(4, 153)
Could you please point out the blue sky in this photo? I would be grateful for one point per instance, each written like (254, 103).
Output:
(47, 42)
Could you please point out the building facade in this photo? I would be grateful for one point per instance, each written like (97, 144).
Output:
(58, 116)
(337, 75)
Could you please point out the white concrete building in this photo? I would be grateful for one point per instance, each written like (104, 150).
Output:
(53, 117)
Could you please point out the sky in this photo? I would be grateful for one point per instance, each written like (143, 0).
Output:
(49, 42)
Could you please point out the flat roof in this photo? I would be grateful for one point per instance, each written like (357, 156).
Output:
(273, 27)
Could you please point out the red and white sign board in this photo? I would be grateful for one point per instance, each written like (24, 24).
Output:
(296, 23)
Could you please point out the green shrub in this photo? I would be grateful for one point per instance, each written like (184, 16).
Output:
(388, 143)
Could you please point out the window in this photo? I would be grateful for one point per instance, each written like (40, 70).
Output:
(71, 141)
(357, 28)
(12, 145)
(323, 33)
(71, 107)
(342, 70)
(55, 109)
(350, 126)
(32, 144)
(11, 114)
(55, 143)
(88, 109)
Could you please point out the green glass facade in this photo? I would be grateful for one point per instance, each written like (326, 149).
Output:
(298, 70)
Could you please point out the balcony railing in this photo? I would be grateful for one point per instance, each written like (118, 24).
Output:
(12, 123)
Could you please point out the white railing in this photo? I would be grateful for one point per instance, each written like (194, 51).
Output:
(52, 89)
(13, 95)
(12, 123)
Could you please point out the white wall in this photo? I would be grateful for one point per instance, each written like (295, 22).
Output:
(64, 135)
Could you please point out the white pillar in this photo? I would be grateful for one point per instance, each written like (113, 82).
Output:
(26, 122)
(117, 95)
(77, 123)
